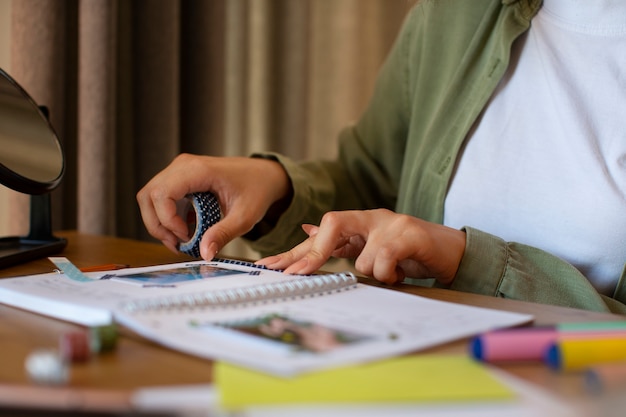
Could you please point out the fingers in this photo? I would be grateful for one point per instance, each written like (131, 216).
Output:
(394, 249)
(329, 239)
(297, 259)
(378, 257)
(285, 259)
(157, 201)
(239, 217)
(289, 258)
(167, 214)
(413, 247)
(161, 221)
(386, 268)
(332, 234)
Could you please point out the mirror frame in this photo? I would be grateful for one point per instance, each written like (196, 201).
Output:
(16, 181)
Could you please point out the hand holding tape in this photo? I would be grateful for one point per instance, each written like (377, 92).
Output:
(200, 211)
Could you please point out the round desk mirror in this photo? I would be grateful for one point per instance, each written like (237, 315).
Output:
(31, 158)
(31, 162)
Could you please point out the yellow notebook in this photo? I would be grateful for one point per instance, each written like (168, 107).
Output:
(402, 379)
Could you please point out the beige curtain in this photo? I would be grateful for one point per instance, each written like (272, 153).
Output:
(130, 84)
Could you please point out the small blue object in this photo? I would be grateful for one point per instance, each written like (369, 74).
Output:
(476, 348)
(553, 357)
(200, 211)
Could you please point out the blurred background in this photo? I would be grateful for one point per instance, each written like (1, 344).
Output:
(132, 83)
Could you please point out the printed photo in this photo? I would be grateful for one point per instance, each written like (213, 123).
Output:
(175, 276)
(298, 335)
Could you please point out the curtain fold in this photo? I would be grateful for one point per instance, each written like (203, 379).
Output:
(131, 83)
(96, 119)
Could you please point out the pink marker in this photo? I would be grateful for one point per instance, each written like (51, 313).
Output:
(532, 343)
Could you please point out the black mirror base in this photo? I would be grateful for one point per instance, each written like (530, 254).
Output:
(15, 250)
(40, 241)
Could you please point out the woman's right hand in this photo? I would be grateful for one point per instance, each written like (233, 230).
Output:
(244, 187)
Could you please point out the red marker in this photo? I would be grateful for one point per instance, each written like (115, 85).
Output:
(106, 267)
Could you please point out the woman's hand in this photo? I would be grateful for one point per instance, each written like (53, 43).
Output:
(244, 187)
(387, 246)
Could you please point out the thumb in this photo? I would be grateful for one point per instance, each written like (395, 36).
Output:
(220, 234)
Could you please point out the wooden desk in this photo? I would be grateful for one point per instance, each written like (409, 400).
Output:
(107, 381)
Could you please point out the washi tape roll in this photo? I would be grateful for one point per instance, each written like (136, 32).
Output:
(200, 211)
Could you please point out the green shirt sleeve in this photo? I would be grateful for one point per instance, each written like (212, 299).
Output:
(491, 266)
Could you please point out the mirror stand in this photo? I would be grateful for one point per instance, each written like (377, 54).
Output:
(39, 242)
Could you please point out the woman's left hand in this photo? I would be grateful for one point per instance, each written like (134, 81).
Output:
(387, 246)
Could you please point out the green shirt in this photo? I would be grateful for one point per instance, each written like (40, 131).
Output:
(447, 61)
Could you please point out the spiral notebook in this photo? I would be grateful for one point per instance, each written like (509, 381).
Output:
(252, 316)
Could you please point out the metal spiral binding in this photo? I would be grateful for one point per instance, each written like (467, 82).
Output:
(296, 288)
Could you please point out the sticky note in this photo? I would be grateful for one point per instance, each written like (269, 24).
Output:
(402, 379)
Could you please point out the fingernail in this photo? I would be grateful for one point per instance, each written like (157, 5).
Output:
(170, 246)
(310, 230)
(182, 236)
(210, 252)
(297, 267)
(270, 260)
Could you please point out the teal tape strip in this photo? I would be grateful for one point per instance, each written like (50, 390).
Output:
(69, 269)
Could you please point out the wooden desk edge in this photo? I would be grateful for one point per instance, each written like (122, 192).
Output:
(36, 397)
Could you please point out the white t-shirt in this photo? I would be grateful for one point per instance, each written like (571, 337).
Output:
(545, 165)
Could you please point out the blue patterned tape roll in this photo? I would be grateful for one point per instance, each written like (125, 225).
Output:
(200, 211)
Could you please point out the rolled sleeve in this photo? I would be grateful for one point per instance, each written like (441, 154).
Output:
(474, 274)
